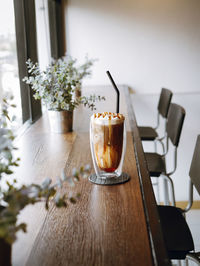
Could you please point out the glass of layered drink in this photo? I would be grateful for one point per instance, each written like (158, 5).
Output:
(108, 143)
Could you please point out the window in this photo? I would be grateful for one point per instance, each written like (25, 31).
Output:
(25, 23)
(43, 39)
(9, 79)
(19, 42)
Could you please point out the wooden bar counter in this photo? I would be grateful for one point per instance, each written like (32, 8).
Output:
(109, 225)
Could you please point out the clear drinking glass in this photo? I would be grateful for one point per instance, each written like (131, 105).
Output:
(108, 144)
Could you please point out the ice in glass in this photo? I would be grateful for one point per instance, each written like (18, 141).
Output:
(108, 141)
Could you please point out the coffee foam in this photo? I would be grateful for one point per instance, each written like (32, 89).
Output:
(107, 118)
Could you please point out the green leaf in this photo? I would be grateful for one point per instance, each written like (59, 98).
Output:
(72, 200)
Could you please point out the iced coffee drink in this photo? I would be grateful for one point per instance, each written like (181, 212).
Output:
(107, 136)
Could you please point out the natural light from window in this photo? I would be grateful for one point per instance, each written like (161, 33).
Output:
(9, 80)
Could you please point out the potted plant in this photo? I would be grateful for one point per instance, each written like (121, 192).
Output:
(14, 197)
(56, 86)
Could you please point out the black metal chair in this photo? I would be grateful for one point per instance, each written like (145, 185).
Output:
(150, 133)
(177, 235)
(156, 162)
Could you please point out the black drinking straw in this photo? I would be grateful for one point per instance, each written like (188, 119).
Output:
(116, 89)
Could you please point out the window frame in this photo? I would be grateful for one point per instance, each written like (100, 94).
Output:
(26, 40)
(56, 28)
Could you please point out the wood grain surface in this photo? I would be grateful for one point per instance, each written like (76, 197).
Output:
(106, 227)
(42, 154)
(109, 225)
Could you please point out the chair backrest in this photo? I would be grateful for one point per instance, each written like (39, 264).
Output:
(195, 166)
(175, 120)
(164, 102)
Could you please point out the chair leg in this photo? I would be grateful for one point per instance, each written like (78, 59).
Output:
(182, 262)
(163, 146)
(155, 146)
(172, 191)
(195, 257)
(168, 178)
(166, 192)
(175, 262)
(158, 192)
(185, 262)
(179, 263)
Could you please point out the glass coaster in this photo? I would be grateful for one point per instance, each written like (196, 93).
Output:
(124, 177)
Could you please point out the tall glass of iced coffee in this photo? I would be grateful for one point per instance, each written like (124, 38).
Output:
(108, 143)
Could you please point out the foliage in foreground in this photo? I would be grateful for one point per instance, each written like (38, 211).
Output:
(15, 197)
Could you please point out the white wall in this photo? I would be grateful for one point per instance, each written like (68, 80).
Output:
(146, 44)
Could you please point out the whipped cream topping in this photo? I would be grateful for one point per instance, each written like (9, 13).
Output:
(107, 118)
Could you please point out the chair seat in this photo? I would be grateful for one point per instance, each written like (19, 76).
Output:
(147, 133)
(176, 232)
(155, 163)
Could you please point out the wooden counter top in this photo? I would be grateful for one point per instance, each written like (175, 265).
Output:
(109, 225)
